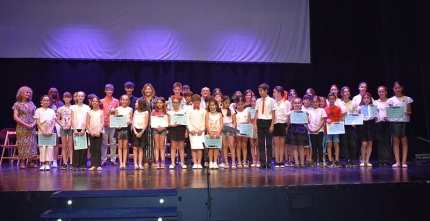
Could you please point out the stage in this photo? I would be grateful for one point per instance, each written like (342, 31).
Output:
(376, 193)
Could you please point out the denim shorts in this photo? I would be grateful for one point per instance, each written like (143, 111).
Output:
(68, 132)
(226, 133)
(329, 138)
(162, 133)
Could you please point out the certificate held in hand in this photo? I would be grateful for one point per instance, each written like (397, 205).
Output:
(397, 112)
(336, 128)
(252, 111)
(178, 119)
(299, 117)
(369, 111)
(354, 119)
(245, 130)
(80, 142)
(46, 141)
(118, 121)
(159, 121)
(213, 142)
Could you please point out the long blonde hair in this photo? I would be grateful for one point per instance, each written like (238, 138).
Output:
(21, 92)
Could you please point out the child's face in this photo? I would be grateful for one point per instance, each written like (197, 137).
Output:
(331, 100)
(188, 99)
(177, 91)
(382, 92)
(307, 102)
(109, 91)
(136, 104)
(297, 105)
(248, 97)
(253, 102)
(75, 97)
(398, 90)
(212, 106)
(66, 100)
(322, 103)
(226, 103)
(196, 103)
(175, 103)
(276, 93)
(346, 93)
(366, 99)
(80, 97)
(218, 98)
(316, 102)
(95, 103)
(129, 90)
(160, 104)
(334, 90)
(263, 93)
(309, 92)
(362, 88)
(240, 105)
(125, 101)
(183, 90)
(45, 101)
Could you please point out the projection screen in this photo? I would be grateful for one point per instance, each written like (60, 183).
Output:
(175, 30)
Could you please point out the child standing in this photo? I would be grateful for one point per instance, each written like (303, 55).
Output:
(253, 141)
(265, 115)
(283, 107)
(322, 105)
(109, 105)
(140, 123)
(159, 134)
(317, 118)
(95, 131)
(366, 133)
(307, 106)
(383, 128)
(227, 136)
(122, 133)
(348, 139)
(214, 126)
(196, 129)
(45, 118)
(242, 117)
(64, 119)
(79, 119)
(398, 126)
(333, 115)
(297, 137)
(177, 134)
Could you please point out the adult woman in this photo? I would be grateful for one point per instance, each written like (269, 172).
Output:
(148, 93)
(23, 114)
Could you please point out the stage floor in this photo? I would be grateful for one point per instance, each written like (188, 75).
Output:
(111, 178)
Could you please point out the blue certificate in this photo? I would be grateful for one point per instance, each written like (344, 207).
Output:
(178, 119)
(231, 129)
(336, 128)
(46, 141)
(245, 130)
(80, 142)
(118, 121)
(299, 117)
(369, 111)
(252, 111)
(213, 142)
(397, 112)
(354, 119)
(159, 121)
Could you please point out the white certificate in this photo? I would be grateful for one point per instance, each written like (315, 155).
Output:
(397, 112)
(80, 142)
(47, 141)
(118, 121)
(159, 121)
(354, 119)
(369, 111)
(245, 130)
(252, 111)
(178, 119)
(299, 117)
(213, 142)
(196, 141)
(336, 128)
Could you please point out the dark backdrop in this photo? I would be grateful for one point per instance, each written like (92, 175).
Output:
(377, 41)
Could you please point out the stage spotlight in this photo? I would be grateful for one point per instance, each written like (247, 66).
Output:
(59, 220)
(160, 219)
(69, 202)
(161, 202)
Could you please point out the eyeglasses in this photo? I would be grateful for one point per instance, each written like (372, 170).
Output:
(175, 102)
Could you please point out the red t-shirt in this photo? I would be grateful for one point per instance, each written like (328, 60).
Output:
(333, 113)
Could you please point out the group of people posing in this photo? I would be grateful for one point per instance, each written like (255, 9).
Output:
(210, 116)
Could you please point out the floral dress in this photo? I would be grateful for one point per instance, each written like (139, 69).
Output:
(26, 140)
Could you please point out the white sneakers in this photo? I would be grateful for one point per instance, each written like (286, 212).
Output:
(45, 167)
(54, 164)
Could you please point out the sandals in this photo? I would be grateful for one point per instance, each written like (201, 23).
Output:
(92, 168)
(22, 165)
(31, 165)
(99, 168)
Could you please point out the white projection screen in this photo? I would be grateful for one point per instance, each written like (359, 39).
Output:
(175, 30)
